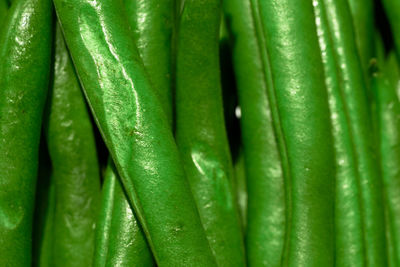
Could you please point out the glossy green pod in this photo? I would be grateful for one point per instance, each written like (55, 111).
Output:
(135, 129)
(265, 232)
(363, 19)
(357, 111)
(119, 239)
(349, 236)
(200, 129)
(152, 24)
(388, 124)
(75, 168)
(25, 48)
(299, 107)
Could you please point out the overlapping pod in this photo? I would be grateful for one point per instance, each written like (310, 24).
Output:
(349, 236)
(385, 86)
(265, 232)
(135, 129)
(75, 168)
(152, 24)
(25, 48)
(300, 118)
(358, 191)
(200, 129)
(119, 239)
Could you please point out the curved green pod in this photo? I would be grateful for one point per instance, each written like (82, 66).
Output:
(363, 19)
(388, 122)
(200, 129)
(119, 239)
(25, 47)
(265, 232)
(349, 236)
(75, 168)
(353, 90)
(135, 129)
(152, 23)
(299, 107)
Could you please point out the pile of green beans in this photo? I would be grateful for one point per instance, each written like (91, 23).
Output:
(200, 133)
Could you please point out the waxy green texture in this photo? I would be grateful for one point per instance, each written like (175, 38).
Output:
(299, 108)
(152, 24)
(200, 129)
(119, 239)
(25, 48)
(353, 90)
(265, 233)
(3, 10)
(135, 130)
(75, 168)
(349, 236)
(385, 86)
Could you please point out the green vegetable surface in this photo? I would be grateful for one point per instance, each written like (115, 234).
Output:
(200, 133)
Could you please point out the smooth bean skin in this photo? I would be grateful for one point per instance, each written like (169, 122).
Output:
(388, 122)
(265, 232)
(152, 24)
(299, 106)
(119, 239)
(200, 129)
(135, 129)
(349, 242)
(353, 90)
(75, 168)
(25, 46)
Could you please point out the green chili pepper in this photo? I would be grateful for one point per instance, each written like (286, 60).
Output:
(135, 129)
(265, 233)
(200, 130)
(388, 122)
(152, 24)
(75, 172)
(350, 250)
(120, 240)
(25, 46)
(356, 108)
(299, 107)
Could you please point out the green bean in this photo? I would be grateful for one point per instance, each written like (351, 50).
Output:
(135, 130)
(152, 24)
(200, 129)
(265, 233)
(356, 107)
(75, 171)
(392, 9)
(25, 46)
(299, 107)
(388, 110)
(350, 248)
(119, 238)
